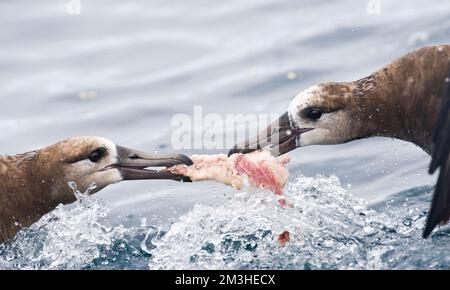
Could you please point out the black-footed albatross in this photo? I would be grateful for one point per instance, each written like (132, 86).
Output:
(34, 183)
(408, 99)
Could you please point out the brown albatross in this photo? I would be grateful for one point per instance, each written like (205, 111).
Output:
(408, 99)
(34, 183)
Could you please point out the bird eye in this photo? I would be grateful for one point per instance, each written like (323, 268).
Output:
(98, 154)
(313, 114)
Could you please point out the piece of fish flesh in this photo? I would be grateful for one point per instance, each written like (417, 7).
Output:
(260, 168)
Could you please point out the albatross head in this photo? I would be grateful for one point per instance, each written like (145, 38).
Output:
(322, 114)
(87, 160)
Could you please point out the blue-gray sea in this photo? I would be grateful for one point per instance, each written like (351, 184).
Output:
(123, 69)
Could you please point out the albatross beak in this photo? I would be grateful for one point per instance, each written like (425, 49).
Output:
(281, 136)
(132, 165)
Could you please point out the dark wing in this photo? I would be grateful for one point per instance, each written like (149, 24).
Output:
(440, 206)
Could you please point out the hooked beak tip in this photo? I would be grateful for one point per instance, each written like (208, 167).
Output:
(281, 137)
(236, 149)
(184, 159)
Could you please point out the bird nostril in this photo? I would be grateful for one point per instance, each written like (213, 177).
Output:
(134, 156)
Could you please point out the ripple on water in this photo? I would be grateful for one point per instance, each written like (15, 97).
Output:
(328, 229)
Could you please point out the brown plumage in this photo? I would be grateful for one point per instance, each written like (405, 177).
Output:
(409, 99)
(34, 183)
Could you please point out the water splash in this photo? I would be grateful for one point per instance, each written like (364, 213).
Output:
(69, 237)
(81, 196)
(329, 229)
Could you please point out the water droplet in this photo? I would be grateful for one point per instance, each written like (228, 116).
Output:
(72, 185)
(91, 188)
(407, 222)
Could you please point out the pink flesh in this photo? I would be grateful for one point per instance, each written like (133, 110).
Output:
(259, 175)
(283, 202)
(262, 169)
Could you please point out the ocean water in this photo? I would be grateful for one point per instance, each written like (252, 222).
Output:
(123, 70)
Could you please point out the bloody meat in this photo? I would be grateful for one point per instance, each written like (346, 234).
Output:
(260, 168)
(284, 238)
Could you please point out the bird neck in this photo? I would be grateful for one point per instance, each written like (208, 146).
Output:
(402, 100)
(25, 190)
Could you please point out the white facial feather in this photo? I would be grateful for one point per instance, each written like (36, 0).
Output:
(331, 128)
(302, 100)
(112, 149)
(93, 171)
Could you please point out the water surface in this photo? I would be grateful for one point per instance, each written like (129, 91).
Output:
(143, 62)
